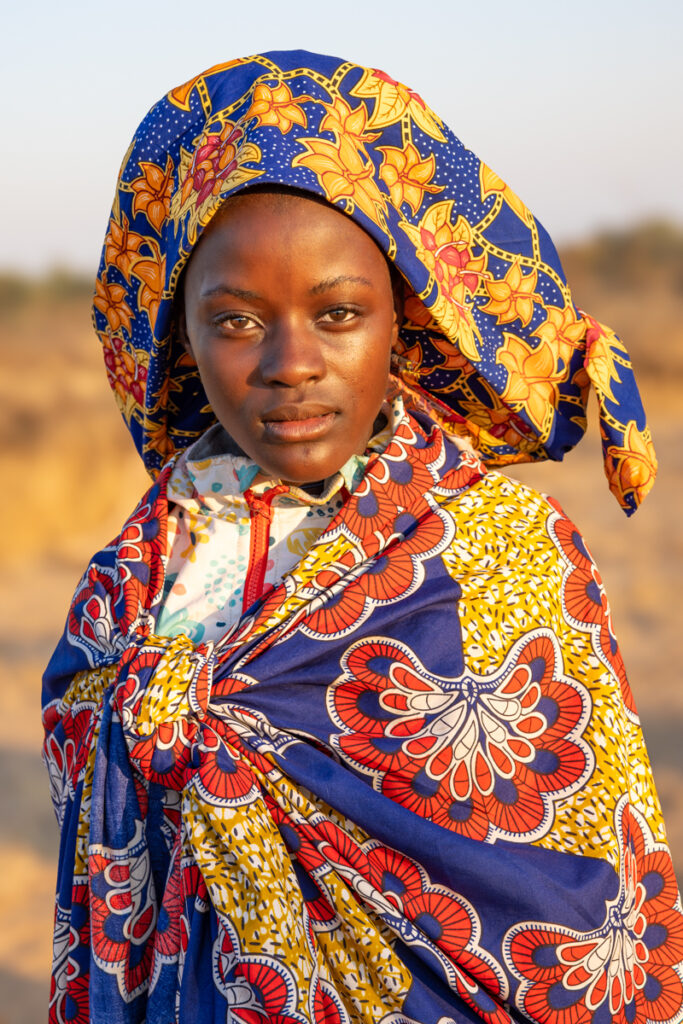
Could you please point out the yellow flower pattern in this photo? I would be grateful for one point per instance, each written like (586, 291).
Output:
(562, 331)
(152, 191)
(110, 299)
(342, 167)
(343, 174)
(631, 468)
(394, 100)
(513, 297)
(407, 176)
(122, 246)
(532, 378)
(277, 107)
(349, 123)
(603, 348)
(479, 270)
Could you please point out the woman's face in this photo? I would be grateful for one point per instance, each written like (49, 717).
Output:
(290, 317)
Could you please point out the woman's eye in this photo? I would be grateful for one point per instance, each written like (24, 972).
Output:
(339, 315)
(237, 322)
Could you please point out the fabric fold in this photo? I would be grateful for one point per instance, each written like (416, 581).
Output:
(408, 785)
(490, 335)
(342, 810)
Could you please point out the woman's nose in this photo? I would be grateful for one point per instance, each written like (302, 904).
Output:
(291, 355)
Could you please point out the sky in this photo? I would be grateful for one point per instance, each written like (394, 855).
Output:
(577, 105)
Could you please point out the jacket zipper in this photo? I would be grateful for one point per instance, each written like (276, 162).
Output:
(261, 516)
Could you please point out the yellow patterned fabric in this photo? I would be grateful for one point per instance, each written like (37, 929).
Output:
(409, 785)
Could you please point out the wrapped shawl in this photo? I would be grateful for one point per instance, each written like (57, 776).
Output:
(410, 783)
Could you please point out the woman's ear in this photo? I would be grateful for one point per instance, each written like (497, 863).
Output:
(183, 336)
(399, 299)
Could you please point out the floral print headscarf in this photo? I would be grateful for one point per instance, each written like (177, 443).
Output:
(491, 342)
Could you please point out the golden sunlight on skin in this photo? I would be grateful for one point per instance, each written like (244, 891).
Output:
(281, 342)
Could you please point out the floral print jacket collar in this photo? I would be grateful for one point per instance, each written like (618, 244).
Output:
(214, 469)
(231, 536)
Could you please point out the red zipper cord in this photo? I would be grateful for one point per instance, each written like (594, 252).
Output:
(261, 516)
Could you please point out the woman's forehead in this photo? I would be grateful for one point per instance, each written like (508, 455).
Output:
(283, 229)
(265, 210)
(261, 198)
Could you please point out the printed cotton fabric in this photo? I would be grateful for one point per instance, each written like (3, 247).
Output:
(491, 340)
(210, 529)
(409, 785)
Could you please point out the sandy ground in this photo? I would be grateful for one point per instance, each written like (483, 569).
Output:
(65, 440)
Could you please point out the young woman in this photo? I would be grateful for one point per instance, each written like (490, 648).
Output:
(338, 728)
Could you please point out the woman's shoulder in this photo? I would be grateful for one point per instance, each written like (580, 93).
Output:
(505, 507)
(508, 536)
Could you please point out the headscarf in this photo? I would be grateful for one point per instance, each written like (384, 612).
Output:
(491, 342)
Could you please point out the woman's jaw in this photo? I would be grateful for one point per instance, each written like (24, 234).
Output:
(290, 315)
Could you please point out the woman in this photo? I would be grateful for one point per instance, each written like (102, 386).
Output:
(338, 728)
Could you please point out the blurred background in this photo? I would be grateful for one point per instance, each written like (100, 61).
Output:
(577, 107)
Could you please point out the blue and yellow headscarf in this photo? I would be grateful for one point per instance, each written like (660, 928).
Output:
(491, 342)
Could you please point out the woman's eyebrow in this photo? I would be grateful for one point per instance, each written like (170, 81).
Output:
(226, 289)
(332, 282)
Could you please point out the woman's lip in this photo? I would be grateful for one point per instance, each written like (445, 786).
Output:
(309, 429)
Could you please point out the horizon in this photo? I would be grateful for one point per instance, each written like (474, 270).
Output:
(82, 276)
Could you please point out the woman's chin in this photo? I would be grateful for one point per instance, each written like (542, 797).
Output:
(300, 464)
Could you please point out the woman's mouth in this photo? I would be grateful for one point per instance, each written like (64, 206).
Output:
(289, 425)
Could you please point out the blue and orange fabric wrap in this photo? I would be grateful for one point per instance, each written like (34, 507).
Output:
(409, 786)
(491, 339)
